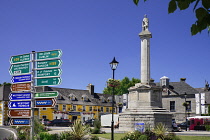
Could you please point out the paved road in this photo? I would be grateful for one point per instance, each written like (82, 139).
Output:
(6, 132)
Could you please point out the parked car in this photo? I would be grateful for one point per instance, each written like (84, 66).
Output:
(59, 122)
(89, 122)
(183, 125)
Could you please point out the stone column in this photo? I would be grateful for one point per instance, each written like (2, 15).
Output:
(145, 36)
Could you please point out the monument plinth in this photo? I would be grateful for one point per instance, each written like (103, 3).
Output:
(145, 98)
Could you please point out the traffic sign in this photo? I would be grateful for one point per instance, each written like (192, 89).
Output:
(48, 64)
(21, 87)
(49, 54)
(21, 78)
(19, 113)
(48, 81)
(20, 58)
(19, 121)
(19, 104)
(48, 72)
(47, 102)
(20, 96)
(48, 94)
(18, 69)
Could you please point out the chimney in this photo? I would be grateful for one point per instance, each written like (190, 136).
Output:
(164, 81)
(90, 88)
(182, 79)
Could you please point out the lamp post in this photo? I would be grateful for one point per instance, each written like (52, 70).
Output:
(113, 65)
(185, 96)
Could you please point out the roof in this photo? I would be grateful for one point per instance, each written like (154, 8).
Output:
(180, 88)
(66, 92)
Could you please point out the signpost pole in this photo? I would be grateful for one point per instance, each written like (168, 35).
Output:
(32, 95)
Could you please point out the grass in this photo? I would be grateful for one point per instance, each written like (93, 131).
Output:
(118, 136)
(194, 137)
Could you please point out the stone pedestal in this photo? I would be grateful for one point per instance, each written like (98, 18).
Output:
(144, 106)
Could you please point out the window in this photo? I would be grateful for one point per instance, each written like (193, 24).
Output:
(90, 108)
(74, 107)
(188, 106)
(56, 107)
(64, 107)
(102, 109)
(107, 109)
(172, 105)
(83, 108)
(44, 108)
(72, 97)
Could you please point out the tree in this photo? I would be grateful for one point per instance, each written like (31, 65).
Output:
(202, 12)
(123, 87)
(5, 83)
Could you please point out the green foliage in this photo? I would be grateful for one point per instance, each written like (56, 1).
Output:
(5, 83)
(97, 127)
(135, 135)
(47, 136)
(65, 136)
(160, 130)
(207, 127)
(143, 137)
(94, 138)
(202, 13)
(123, 87)
(78, 131)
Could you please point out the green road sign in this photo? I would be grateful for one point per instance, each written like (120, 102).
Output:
(48, 63)
(19, 69)
(48, 72)
(20, 58)
(48, 54)
(49, 94)
(48, 81)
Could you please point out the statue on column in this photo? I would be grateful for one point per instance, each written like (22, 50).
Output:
(145, 23)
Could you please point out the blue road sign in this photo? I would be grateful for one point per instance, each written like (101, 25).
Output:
(44, 102)
(21, 78)
(19, 121)
(19, 104)
(20, 96)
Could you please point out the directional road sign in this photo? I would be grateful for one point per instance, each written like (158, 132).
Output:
(49, 94)
(47, 102)
(48, 54)
(21, 87)
(18, 69)
(19, 121)
(19, 105)
(20, 58)
(48, 63)
(48, 81)
(19, 113)
(21, 78)
(20, 96)
(48, 72)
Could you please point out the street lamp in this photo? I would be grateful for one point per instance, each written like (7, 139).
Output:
(185, 96)
(113, 66)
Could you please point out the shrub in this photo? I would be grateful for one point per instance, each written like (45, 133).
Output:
(95, 131)
(143, 137)
(65, 136)
(97, 127)
(171, 136)
(207, 127)
(78, 131)
(94, 138)
(135, 135)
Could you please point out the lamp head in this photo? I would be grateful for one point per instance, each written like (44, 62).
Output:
(114, 64)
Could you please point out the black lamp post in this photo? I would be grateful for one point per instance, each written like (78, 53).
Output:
(185, 96)
(113, 65)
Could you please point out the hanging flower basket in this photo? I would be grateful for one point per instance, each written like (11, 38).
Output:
(113, 83)
(185, 104)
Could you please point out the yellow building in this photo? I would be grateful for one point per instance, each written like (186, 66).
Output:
(77, 104)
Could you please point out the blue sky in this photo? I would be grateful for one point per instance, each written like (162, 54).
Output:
(90, 33)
